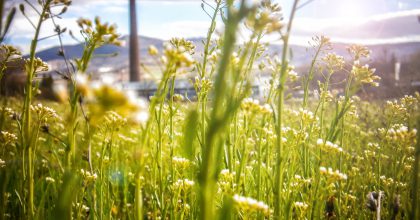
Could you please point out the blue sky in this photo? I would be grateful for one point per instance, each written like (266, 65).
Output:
(182, 18)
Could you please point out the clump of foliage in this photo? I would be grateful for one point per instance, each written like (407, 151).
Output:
(105, 153)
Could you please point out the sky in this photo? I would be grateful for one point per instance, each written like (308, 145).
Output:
(342, 20)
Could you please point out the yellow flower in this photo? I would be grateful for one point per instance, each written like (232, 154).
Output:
(153, 51)
(250, 204)
(364, 74)
(82, 85)
(334, 61)
(301, 205)
(49, 179)
(61, 92)
(2, 163)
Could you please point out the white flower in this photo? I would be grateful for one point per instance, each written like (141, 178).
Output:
(49, 179)
(82, 86)
(142, 106)
(331, 174)
(323, 170)
(60, 92)
(319, 142)
(2, 163)
(181, 162)
(44, 112)
(152, 50)
(8, 137)
(250, 204)
(184, 184)
(301, 205)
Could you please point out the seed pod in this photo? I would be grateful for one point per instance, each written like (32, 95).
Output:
(22, 8)
(63, 10)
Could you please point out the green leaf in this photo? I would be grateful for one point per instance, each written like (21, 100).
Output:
(226, 212)
(8, 22)
(190, 133)
(1, 14)
(68, 193)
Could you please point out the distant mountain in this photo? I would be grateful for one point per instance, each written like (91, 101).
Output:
(402, 26)
(75, 51)
(108, 55)
(398, 25)
(389, 35)
(380, 52)
(300, 55)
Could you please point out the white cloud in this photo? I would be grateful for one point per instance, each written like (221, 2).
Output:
(24, 30)
(395, 27)
(343, 29)
(186, 29)
(115, 9)
(398, 14)
(304, 24)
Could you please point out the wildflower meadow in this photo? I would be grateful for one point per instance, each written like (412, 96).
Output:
(99, 152)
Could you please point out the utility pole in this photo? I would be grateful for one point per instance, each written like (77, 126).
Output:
(134, 45)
